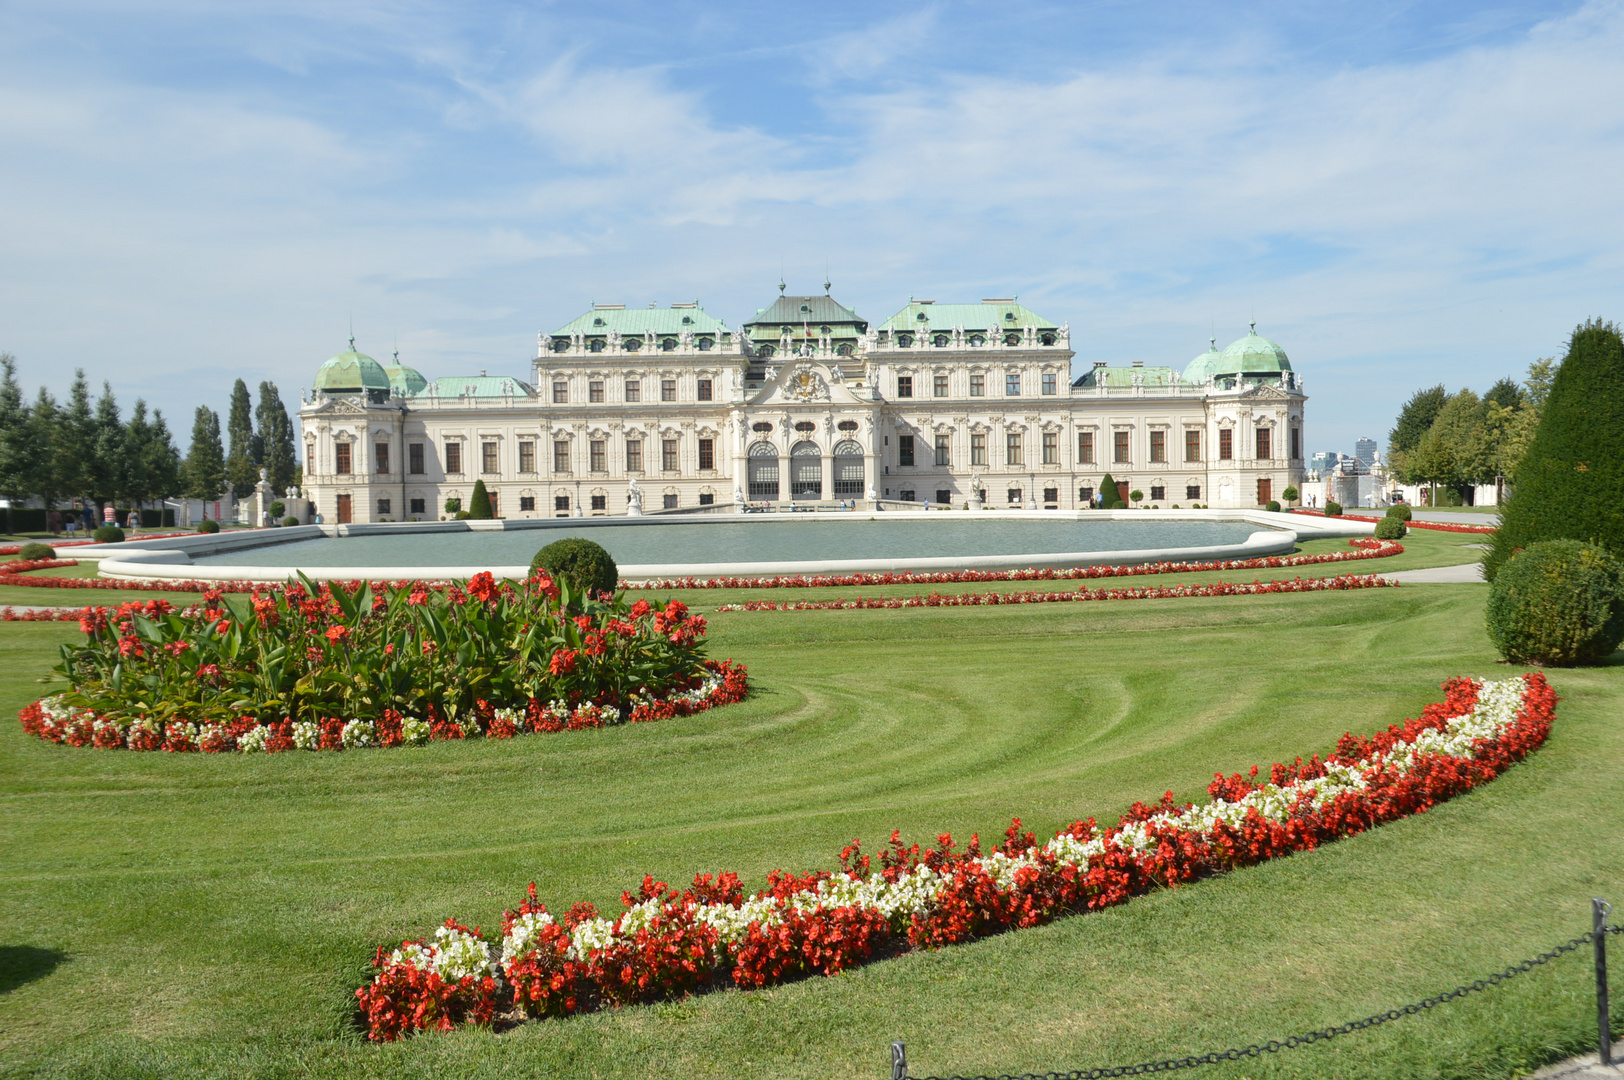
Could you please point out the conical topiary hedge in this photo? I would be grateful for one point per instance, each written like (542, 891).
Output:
(479, 505)
(1571, 484)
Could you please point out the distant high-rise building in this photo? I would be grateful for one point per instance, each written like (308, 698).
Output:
(1365, 451)
(1323, 462)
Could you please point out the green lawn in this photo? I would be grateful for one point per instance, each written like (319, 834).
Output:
(210, 916)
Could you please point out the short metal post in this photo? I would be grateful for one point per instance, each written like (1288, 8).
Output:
(899, 1061)
(1604, 1023)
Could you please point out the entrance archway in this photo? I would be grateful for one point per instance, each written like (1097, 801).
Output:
(806, 471)
(848, 469)
(761, 471)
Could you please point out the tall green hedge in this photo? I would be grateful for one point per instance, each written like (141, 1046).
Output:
(1571, 484)
(479, 507)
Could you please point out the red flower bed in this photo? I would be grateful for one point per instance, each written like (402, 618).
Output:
(667, 943)
(1081, 593)
(1364, 548)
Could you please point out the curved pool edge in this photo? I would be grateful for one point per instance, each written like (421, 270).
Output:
(1277, 533)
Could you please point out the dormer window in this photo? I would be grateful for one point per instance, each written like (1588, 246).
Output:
(766, 350)
(668, 344)
(921, 317)
(976, 341)
(705, 344)
(843, 350)
(687, 320)
(1047, 339)
(824, 330)
(631, 344)
(1012, 339)
(904, 340)
(561, 344)
(940, 341)
(598, 321)
(1009, 316)
(596, 346)
(807, 308)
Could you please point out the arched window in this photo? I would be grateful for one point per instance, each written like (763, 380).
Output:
(904, 340)
(848, 467)
(940, 341)
(561, 344)
(1048, 339)
(806, 471)
(762, 471)
(1012, 339)
(976, 341)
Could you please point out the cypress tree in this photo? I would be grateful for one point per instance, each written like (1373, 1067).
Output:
(161, 460)
(1571, 483)
(137, 456)
(205, 468)
(242, 466)
(14, 445)
(479, 506)
(276, 439)
(1108, 492)
(107, 456)
(74, 439)
(43, 419)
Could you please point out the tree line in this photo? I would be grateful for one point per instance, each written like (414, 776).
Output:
(1460, 440)
(79, 448)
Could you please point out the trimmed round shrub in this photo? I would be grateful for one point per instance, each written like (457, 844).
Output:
(1333, 509)
(108, 534)
(278, 509)
(1558, 603)
(289, 522)
(1391, 528)
(1400, 511)
(582, 563)
(1290, 494)
(208, 525)
(1273, 506)
(453, 504)
(35, 552)
(1136, 496)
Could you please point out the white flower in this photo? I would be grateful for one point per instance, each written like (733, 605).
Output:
(306, 736)
(414, 732)
(252, 741)
(358, 733)
(523, 935)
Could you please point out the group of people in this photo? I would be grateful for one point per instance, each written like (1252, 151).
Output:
(71, 521)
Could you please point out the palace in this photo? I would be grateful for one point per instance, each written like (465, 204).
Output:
(634, 409)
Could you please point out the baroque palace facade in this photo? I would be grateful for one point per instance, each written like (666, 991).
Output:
(632, 409)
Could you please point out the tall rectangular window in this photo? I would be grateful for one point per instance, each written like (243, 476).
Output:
(1158, 446)
(1049, 382)
(1158, 493)
(487, 456)
(978, 386)
(668, 455)
(597, 453)
(1192, 444)
(706, 390)
(905, 450)
(1226, 444)
(380, 456)
(1264, 449)
(944, 450)
(453, 458)
(978, 448)
(414, 459)
(594, 391)
(341, 459)
(668, 389)
(707, 454)
(561, 456)
(1085, 448)
(1296, 443)
(527, 456)
(561, 392)
(1012, 448)
(1119, 447)
(1012, 384)
(383, 507)
(634, 455)
(904, 386)
(634, 390)
(1051, 447)
(939, 386)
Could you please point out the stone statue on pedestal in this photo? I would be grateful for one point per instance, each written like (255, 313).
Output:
(634, 499)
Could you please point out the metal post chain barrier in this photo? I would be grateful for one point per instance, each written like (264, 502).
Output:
(899, 1053)
(1599, 909)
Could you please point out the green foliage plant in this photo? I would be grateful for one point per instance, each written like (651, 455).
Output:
(1136, 496)
(289, 522)
(1108, 493)
(1391, 528)
(278, 508)
(208, 525)
(1272, 506)
(1571, 483)
(1557, 602)
(1401, 511)
(479, 506)
(585, 565)
(35, 552)
(453, 504)
(1333, 509)
(1290, 494)
(108, 534)
(312, 651)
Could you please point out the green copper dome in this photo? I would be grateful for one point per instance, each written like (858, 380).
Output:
(1252, 355)
(1202, 366)
(403, 381)
(351, 372)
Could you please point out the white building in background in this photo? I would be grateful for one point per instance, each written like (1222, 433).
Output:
(805, 403)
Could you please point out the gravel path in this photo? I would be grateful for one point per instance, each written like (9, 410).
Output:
(1440, 575)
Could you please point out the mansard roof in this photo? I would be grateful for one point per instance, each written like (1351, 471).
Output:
(1123, 377)
(922, 316)
(823, 310)
(479, 386)
(636, 322)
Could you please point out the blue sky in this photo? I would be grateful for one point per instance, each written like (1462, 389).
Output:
(1402, 194)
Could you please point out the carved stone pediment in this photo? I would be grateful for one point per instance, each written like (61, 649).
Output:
(804, 381)
(1266, 392)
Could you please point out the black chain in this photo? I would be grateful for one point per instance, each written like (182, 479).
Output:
(1309, 1039)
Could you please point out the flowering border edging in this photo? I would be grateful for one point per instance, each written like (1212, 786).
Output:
(1435, 526)
(1081, 593)
(1366, 548)
(668, 943)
